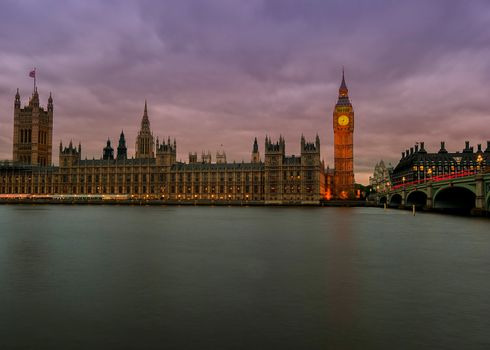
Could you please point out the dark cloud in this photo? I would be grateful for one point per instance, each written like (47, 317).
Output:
(222, 72)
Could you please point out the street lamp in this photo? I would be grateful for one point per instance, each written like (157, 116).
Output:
(479, 160)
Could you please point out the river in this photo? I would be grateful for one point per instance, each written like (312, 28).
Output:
(170, 277)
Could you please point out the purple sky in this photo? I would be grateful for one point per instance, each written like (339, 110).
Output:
(224, 71)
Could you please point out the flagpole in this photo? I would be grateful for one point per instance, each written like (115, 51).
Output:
(34, 79)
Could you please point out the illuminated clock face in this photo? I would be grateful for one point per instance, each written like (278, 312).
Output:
(343, 120)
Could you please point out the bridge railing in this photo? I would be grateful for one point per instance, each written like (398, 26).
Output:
(437, 178)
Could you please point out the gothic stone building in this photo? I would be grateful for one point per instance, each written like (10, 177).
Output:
(343, 128)
(33, 131)
(155, 173)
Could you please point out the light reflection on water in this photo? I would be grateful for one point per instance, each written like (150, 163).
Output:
(242, 278)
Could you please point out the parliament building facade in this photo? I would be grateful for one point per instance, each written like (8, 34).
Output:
(154, 172)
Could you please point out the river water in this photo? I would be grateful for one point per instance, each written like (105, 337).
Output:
(130, 277)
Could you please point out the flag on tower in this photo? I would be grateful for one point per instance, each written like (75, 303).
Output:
(32, 73)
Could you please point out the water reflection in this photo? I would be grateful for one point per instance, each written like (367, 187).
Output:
(342, 279)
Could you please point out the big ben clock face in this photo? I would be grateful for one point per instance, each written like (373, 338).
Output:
(343, 120)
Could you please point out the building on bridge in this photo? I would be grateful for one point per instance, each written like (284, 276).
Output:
(458, 181)
(417, 165)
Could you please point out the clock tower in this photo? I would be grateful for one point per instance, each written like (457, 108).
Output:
(343, 130)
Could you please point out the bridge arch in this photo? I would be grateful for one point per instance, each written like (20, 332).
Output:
(383, 200)
(395, 200)
(417, 198)
(455, 198)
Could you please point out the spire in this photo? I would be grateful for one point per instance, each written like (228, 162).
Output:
(122, 151)
(17, 99)
(50, 102)
(343, 86)
(145, 121)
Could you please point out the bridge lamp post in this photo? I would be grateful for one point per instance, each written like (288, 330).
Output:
(479, 160)
(403, 180)
(429, 172)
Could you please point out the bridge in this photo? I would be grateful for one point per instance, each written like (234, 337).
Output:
(461, 192)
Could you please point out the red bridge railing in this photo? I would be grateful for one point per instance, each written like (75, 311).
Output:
(437, 178)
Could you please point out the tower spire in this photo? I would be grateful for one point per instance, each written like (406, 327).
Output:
(343, 86)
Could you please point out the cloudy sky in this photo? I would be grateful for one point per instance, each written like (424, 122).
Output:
(220, 72)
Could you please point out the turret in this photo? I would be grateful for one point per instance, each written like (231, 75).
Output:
(50, 103)
(467, 148)
(69, 155)
(206, 157)
(122, 151)
(167, 153)
(255, 152)
(192, 158)
(108, 151)
(275, 152)
(310, 147)
(220, 157)
(17, 100)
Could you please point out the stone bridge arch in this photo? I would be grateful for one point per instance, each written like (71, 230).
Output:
(457, 198)
(395, 200)
(417, 198)
(383, 200)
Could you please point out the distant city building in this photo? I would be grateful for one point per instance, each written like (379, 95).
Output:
(381, 179)
(416, 164)
(343, 128)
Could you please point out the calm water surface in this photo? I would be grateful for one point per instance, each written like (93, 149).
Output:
(83, 277)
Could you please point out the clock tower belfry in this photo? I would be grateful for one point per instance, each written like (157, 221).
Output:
(343, 130)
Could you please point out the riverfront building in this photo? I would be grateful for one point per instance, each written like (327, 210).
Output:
(343, 129)
(417, 165)
(154, 172)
